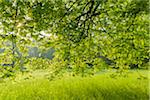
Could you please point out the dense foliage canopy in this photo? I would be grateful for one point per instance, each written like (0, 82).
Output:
(87, 35)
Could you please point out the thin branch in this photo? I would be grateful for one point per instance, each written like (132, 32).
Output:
(67, 12)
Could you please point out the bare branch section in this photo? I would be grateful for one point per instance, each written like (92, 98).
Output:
(67, 11)
(84, 16)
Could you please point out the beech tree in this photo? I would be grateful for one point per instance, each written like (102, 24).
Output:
(84, 33)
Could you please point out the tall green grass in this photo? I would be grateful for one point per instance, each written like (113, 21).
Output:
(99, 87)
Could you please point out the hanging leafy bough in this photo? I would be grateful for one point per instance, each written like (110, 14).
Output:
(26, 19)
(104, 28)
(75, 26)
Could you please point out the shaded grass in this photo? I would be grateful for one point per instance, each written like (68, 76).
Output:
(99, 87)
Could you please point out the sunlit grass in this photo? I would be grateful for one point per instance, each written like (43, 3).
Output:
(99, 87)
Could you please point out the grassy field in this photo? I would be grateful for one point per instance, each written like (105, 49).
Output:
(133, 86)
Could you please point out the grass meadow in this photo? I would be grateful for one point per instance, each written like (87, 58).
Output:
(131, 86)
